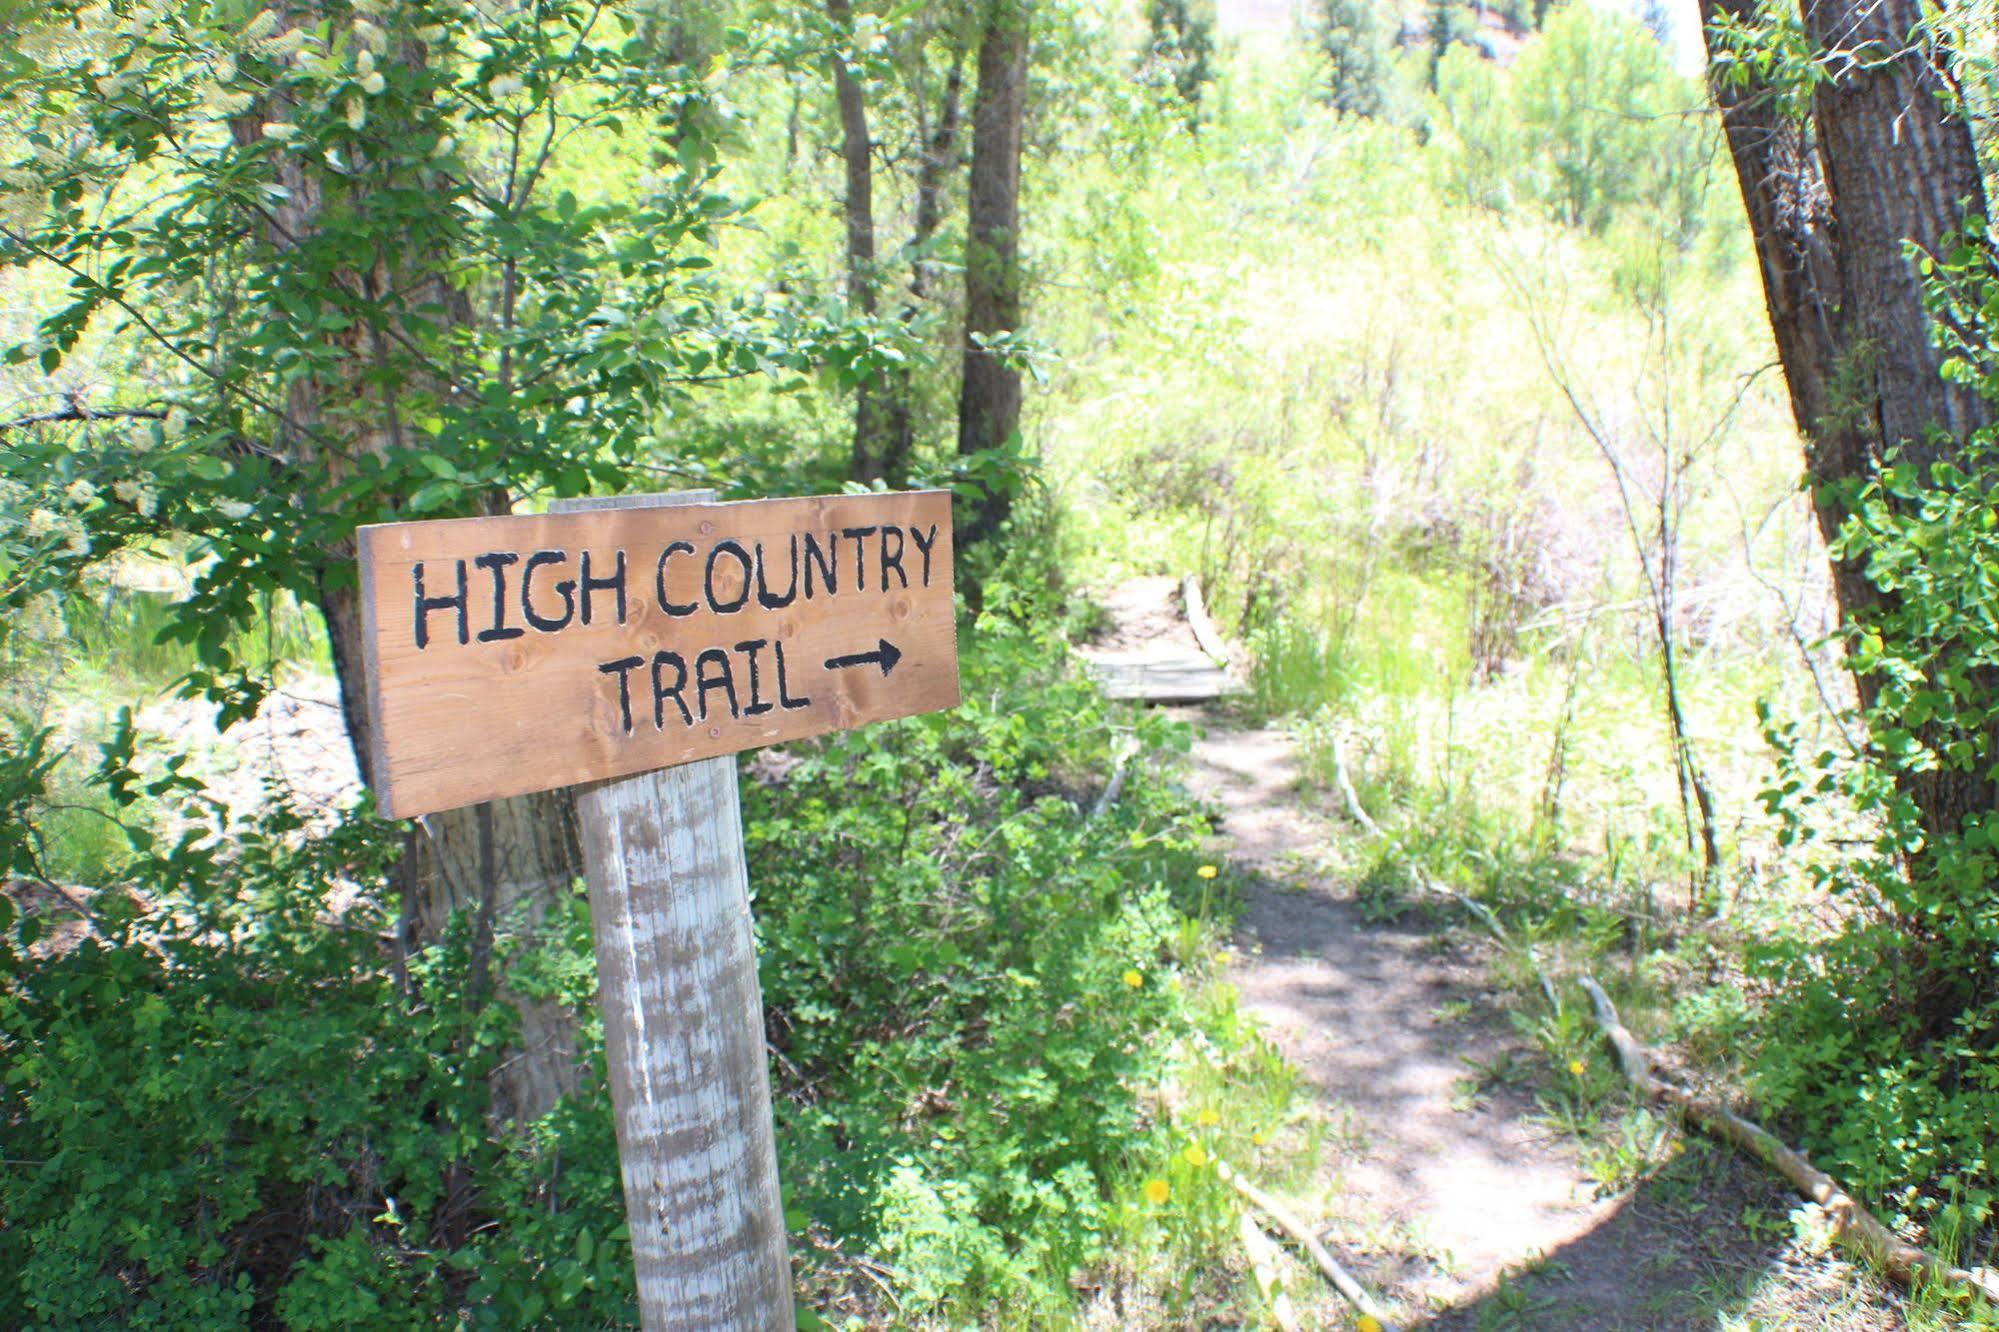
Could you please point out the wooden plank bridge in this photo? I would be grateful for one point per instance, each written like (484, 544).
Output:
(1162, 647)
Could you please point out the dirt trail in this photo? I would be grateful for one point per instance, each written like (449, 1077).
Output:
(1456, 1191)
(1449, 1197)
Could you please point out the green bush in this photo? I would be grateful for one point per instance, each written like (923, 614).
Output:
(1591, 125)
(221, 1110)
(224, 1108)
(945, 940)
(1883, 1040)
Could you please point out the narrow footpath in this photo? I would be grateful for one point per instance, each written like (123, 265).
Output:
(1443, 1186)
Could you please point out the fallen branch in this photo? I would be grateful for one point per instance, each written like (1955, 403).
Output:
(1482, 911)
(1340, 779)
(76, 411)
(1851, 1222)
(1115, 786)
(1280, 1216)
(1204, 629)
(1263, 1266)
(1498, 931)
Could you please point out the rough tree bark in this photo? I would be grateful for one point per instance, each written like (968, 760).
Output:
(857, 156)
(939, 151)
(885, 412)
(488, 859)
(989, 393)
(1882, 161)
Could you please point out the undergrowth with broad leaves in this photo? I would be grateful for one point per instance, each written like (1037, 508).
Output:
(229, 1102)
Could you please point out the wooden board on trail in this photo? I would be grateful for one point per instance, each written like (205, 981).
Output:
(526, 652)
(1163, 679)
(1160, 645)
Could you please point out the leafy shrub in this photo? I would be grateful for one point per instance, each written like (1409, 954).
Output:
(222, 1110)
(1883, 1040)
(948, 948)
(225, 1107)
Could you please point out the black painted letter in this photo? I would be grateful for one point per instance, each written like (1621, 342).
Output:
(757, 707)
(923, 545)
(566, 589)
(659, 581)
(622, 668)
(660, 693)
(829, 572)
(784, 698)
(892, 561)
(708, 582)
(703, 681)
(425, 605)
(615, 583)
(860, 539)
(765, 597)
(497, 562)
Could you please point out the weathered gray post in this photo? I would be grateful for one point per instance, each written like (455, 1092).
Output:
(684, 1036)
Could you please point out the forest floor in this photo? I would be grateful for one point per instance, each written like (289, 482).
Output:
(1451, 1192)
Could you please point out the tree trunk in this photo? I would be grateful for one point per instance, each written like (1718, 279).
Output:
(512, 856)
(505, 862)
(899, 429)
(857, 155)
(1882, 162)
(989, 395)
(1901, 170)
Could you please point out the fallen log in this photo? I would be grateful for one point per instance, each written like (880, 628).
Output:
(1263, 1267)
(1280, 1216)
(1204, 629)
(1852, 1223)
(1347, 793)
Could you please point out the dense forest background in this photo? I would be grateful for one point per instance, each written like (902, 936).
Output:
(1437, 342)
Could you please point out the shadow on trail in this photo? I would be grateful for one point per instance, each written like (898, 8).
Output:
(1370, 1003)
(1400, 1023)
(1682, 1250)
(1447, 1187)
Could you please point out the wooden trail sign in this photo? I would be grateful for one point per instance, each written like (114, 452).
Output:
(522, 653)
(653, 631)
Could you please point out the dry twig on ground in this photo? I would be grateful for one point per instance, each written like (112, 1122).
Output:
(1263, 1266)
(1340, 779)
(1851, 1223)
(1498, 931)
(1280, 1216)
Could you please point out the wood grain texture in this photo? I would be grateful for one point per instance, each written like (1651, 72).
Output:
(1196, 610)
(514, 692)
(684, 1044)
(1184, 678)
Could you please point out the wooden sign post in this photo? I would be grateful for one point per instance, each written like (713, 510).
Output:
(653, 635)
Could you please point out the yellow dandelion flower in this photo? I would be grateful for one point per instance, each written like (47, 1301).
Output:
(1207, 1119)
(1133, 979)
(1367, 1323)
(1257, 1139)
(1156, 1192)
(1207, 871)
(1576, 1067)
(1195, 1155)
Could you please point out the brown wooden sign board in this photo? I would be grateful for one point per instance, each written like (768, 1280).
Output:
(526, 652)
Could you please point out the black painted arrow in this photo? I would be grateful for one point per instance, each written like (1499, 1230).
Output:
(885, 652)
